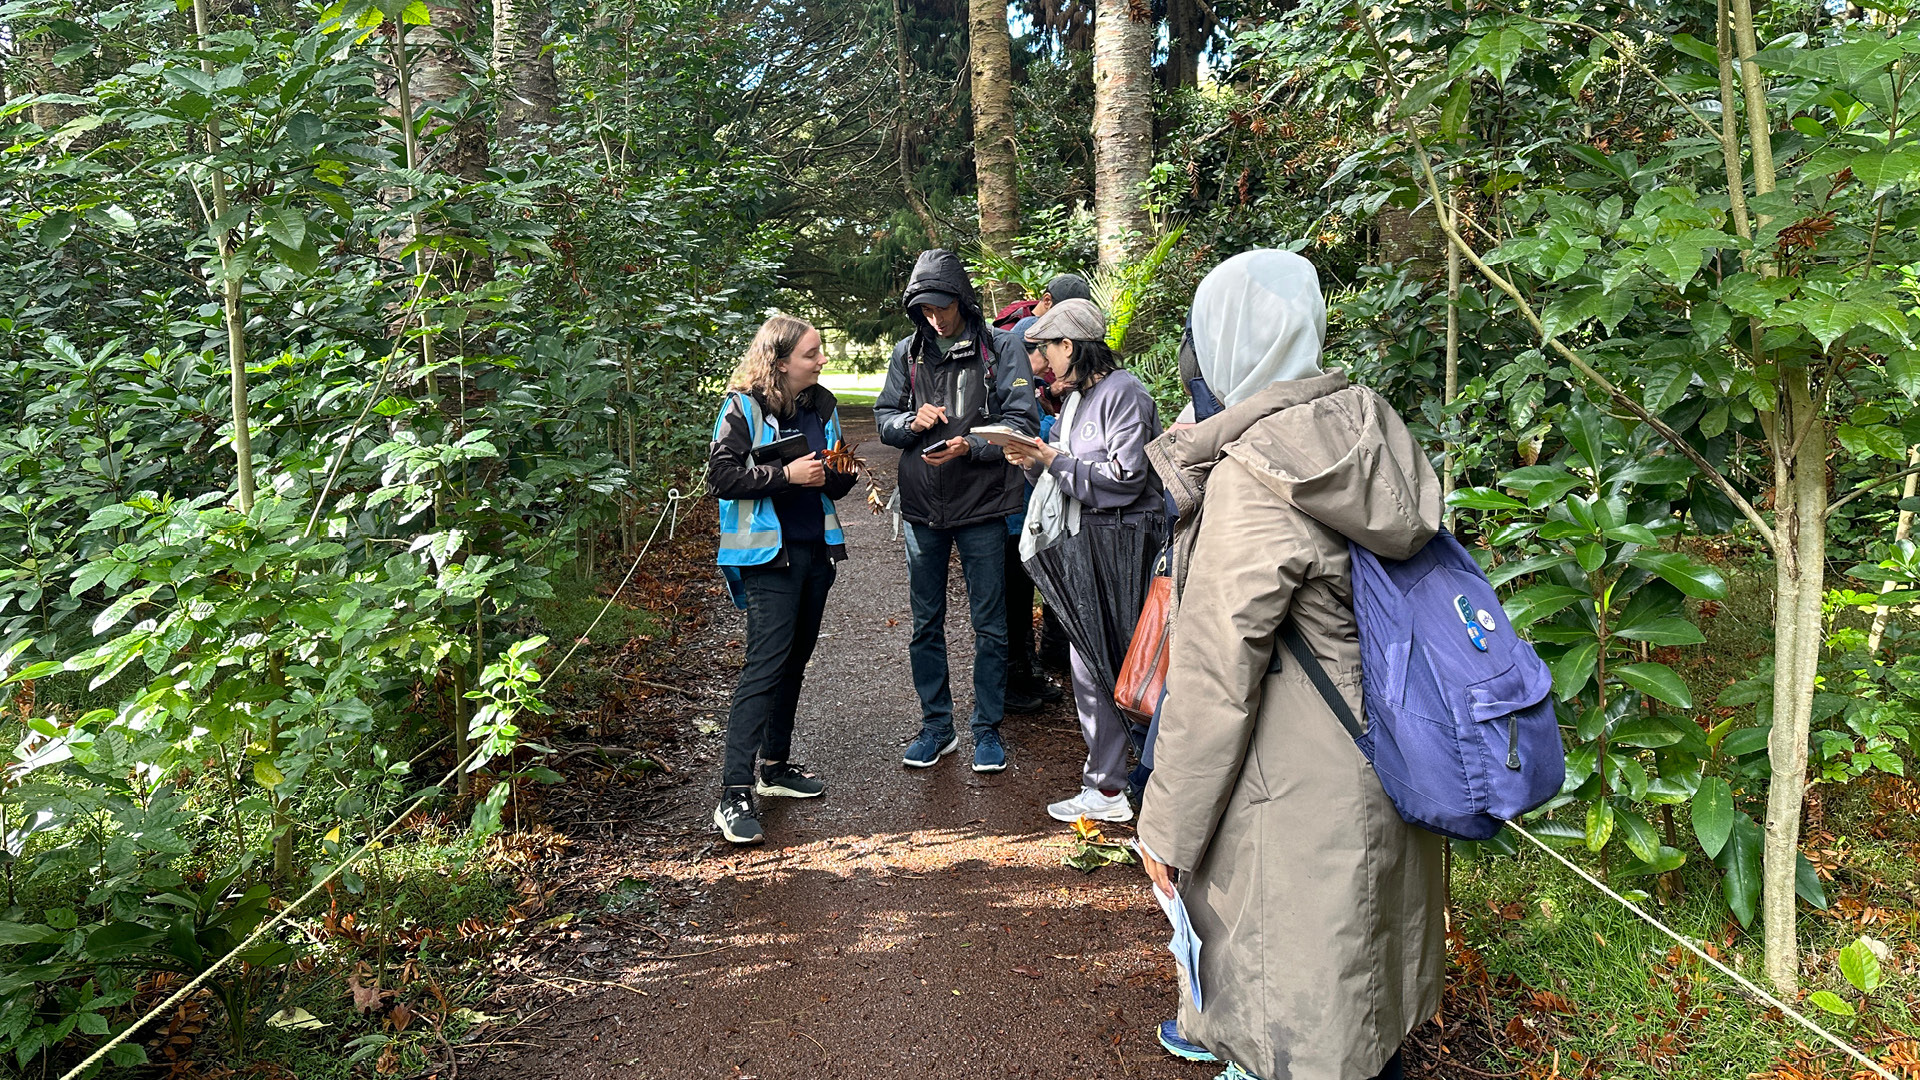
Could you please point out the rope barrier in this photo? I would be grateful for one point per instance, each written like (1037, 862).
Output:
(1744, 982)
(286, 913)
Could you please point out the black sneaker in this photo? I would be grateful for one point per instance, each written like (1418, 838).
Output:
(786, 779)
(735, 817)
(1022, 698)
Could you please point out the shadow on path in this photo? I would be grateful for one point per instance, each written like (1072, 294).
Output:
(910, 923)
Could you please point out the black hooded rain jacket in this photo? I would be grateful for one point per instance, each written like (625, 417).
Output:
(983, 379)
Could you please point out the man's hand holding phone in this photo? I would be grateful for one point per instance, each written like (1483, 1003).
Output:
(941, 453)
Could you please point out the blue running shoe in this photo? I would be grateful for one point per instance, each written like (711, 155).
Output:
(989, 753)
(929, 748)
(1235, 1072)
(1172, 1043)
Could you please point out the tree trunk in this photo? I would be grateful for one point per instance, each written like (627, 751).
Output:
(1186, 36)
(1800, 441)
(903, 134)
(441, 74)
(1901, 530)
(42, 76)
(1122, 126)
(994, 164)
(231, 310)
(530, 92)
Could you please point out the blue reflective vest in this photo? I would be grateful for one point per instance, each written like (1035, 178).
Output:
(749, 528)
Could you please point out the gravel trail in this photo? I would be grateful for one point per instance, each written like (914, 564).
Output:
(908, 924)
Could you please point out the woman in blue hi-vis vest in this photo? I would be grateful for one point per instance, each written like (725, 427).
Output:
(779, 541)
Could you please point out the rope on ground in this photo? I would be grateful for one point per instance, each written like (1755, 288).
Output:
(673, 500)
(1744, 982)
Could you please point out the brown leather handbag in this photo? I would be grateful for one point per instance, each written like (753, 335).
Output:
(1143, 675)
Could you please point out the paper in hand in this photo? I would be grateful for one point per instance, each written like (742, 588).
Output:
(1185, 945)
(1002, 435)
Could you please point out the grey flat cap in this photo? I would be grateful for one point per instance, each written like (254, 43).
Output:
(1076, 318)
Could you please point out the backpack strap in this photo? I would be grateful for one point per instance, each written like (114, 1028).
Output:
(1309, 663)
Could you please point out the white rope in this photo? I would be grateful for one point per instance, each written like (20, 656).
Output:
(287, 912)
(1745, 983)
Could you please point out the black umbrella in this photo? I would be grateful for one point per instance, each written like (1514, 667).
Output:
(1096, 582)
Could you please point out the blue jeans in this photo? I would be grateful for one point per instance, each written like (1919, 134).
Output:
(983, 562)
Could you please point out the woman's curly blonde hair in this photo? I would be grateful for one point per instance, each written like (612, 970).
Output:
(759, 369)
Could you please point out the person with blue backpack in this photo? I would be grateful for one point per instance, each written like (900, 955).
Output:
(1319, 909)
(779, 541)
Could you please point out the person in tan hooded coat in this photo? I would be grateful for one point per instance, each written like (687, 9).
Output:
(1321, 912)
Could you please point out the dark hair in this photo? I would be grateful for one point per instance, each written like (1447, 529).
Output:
(1091, 359)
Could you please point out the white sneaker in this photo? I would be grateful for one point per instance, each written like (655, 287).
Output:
(1091, 804)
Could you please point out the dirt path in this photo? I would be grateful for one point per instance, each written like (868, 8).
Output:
(909, 924)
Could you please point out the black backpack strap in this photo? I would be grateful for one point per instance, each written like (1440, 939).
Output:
(1309, 663)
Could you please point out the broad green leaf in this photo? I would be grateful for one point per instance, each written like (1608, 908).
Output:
(121, 605)
(1881, 440)
(1683, 572)
(1746, 741)
(1586, 432)
(1533, 604)
(1739, 863)
(1677, 258)
(1903, 370)
(1861, 967)
(1670, 630)
(1713, 814)
(1829, 1002)
(54, 229)
(1806, 883)
(266, 775)
(1574, 670)
(1481, 498)
(1453, 115)
(1695, 48)
(1651, 732)
(1632, 533)
(285, 225)
(1665, 860)
(1507, 571)
(1659, 681)
(1600, 820)
(1882, 171)
(1591, 556)
(305, 129)
(36, 671)
(190, 79)
(1425, 93)
(14, 933)
(1639, 834)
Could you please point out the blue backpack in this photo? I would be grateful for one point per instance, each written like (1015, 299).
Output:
(1460, 721)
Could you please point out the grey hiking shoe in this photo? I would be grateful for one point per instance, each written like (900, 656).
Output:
(735, 819)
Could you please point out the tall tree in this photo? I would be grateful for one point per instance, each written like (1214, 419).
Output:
(994, 163)
(1187, 29)
(1122, 125)
(530, 90)
(442, 78)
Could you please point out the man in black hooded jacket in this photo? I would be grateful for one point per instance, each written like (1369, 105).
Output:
(955, 373)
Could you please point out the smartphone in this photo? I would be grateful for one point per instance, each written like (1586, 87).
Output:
(934, 449)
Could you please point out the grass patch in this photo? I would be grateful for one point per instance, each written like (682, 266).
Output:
(574, 605)
(1578, 975)
(854, 388)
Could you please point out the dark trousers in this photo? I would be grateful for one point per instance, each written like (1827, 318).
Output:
(784, 606)
(1020, 660)
(982, 551)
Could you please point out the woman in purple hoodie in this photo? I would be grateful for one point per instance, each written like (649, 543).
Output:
(1097, 460)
